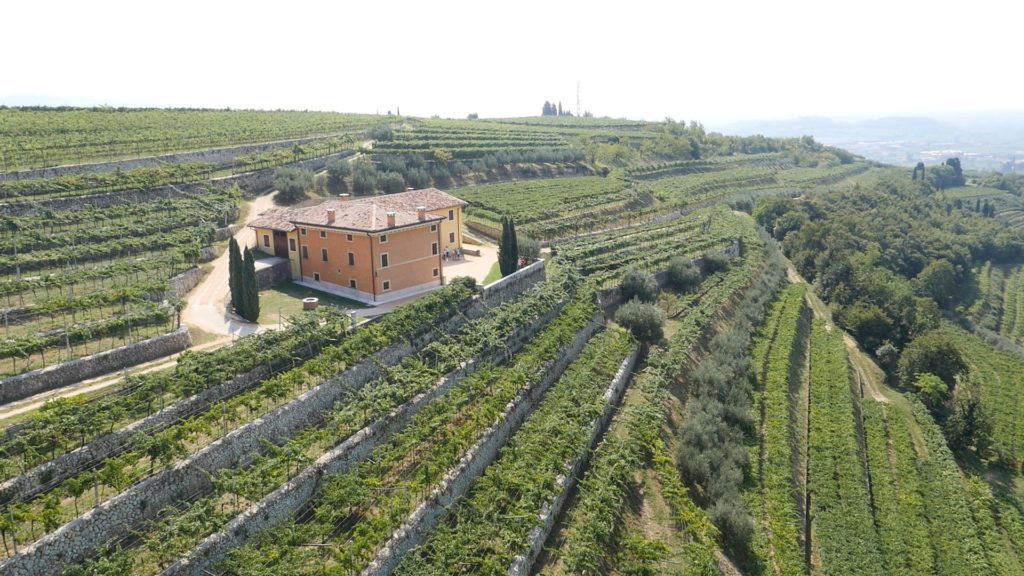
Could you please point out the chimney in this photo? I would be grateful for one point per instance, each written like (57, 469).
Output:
(391, 219)
(421, 213)
(330, 215)
(344, 197)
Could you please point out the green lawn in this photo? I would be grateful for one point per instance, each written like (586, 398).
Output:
(277, 304)
(493, 275)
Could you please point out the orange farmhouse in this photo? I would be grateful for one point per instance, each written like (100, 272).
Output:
(373, 249)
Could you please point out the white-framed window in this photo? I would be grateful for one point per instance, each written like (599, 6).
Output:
(351, 259)
(451, 237)
(323, 234)
(384, 260)
(348, 237)
(302, 231)
(383, 238)
(323, 254)
(436, 272)
(305, 252)
(266, 240)
(316, 276)
(433, 227)
(386, 285)
(291, 244)
(433, 249)
(352, 283)
(451, 214)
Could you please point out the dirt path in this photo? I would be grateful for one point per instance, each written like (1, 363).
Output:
(868, 374)
(207, 302)
(98, 383)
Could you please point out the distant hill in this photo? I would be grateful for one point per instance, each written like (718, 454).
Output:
(987, 140)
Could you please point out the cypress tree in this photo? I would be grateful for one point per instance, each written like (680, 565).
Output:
(508, 250)
(513, 240)
(250, 289)
(234, 271)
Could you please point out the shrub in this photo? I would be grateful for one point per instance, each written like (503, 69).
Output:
(528, 247)
(645, 321)
(291, 184)
(638, 284)
(683, 275)
(391, 182)
(715, 262)
(337, 170)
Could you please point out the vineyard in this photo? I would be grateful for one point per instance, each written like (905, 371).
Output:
(35, 138)
(552, 209)
(516, 428)
(466, 140)
(77, 282)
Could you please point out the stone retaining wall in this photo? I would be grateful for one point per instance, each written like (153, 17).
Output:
(220, 157)
(550, 511)
(288, 499)
(53, 472)
(459, 479)
(73, 371)
(276, 273)
(118, 516)
(259, 181)
(182, 284)
(514, 284)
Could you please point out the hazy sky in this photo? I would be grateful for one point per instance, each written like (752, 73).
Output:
(712, 61)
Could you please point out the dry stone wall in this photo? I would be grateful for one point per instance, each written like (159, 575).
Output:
(458, 481)
(51, 377)
(220, 157)
(514, 284)
(182, 284)
(550, 512)
(284, 502)
(53, 472)
(118, 516)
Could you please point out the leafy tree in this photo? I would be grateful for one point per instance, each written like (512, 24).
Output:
(968, 423)
(292, 184)
(234, 271)
(391, 182)
(382, 132)
(938, 281)
(508, 248)
(932, 389)
(645, 321)
(337, 170)
(932, 352)
(639, 285)
(683, 275)
(364, 178)
(919, 167)
(868, 323)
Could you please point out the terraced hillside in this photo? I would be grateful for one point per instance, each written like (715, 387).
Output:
(518, 428)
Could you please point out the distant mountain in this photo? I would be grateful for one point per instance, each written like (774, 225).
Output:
(895, 127)
(983, 140)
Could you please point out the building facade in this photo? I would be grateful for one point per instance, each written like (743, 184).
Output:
(372, 249)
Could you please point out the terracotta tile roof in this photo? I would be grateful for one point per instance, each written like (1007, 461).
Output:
(357, 216)
(366, 214)
(275, 219)
(431, 198)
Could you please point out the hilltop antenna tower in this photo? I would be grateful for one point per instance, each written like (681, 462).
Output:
(577, 98)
